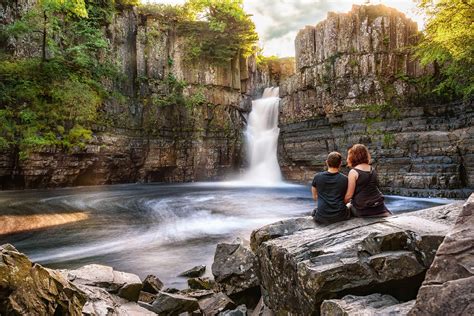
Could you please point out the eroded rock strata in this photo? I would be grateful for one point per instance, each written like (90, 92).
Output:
(303, 264)
(356, 81)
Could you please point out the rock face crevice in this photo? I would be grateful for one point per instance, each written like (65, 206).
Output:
(356, 82)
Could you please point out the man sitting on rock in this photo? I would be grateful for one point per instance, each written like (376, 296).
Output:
(328, 189)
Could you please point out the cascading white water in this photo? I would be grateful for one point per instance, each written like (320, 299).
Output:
(262, 140)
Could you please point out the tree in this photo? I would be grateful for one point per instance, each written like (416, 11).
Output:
(448, 43)
(51, 7)
(229, 29)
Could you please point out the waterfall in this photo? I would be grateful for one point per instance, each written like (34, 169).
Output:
(262, 140)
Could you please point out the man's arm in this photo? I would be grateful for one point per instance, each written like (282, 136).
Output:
(314, 192)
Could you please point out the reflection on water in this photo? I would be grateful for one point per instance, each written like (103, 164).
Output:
(154, 228)
(18, 223)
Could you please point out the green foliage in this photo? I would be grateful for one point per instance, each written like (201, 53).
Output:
(265, 60)
(51, 101)
(216, 30)
(127, 2)
(332, 59)
(78, 135)
(353, 63)
(167, 13)
(220, 31)
(171, 92)
(7, 129)
(377, 112)
(388, 140)
(448, 43)
(74, 7)
(196, 99)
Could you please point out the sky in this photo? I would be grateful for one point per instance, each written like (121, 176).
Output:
(278, 21)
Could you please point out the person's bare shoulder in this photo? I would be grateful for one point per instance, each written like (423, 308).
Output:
(352, 173)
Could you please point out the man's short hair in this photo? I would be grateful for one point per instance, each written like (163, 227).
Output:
(334, 159)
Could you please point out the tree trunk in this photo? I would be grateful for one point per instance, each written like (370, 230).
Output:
(43, 44)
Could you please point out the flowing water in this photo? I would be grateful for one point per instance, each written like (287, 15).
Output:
(262, 140)
(153, 228)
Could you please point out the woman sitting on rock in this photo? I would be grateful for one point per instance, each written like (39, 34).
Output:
(362, 189)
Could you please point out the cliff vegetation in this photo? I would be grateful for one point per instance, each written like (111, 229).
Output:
(448, 44)
(54, 94)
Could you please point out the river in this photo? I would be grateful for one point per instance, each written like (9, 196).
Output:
(152, 228)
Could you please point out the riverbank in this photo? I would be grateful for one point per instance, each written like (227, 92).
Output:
(293, 266)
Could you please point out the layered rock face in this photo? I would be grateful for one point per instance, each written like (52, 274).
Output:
(302, 264)
(355, 82)
(448, 286)
(141, 141)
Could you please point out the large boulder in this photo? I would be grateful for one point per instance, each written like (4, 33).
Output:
(101, 302)
(279, 229)
(146, 297)
(197, 294)
(448, 288)
(122, 284)
(152, 284)
(200, 283)
(261, 309)
(235, 268)
(172, 304)
(30, 289)
(194, 272)
(299, 269)
(241, 310)
(215, 304)
(370, 305)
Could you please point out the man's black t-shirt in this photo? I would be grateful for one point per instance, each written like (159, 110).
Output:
(331, 189)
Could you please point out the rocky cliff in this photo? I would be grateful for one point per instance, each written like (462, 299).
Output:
(138, 139)
(357, 81)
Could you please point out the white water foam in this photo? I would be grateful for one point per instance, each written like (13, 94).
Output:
(262, 141)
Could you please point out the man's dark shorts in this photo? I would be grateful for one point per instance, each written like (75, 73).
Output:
(343, 216)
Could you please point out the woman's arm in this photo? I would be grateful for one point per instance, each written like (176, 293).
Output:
(315, 193)
(351, 184)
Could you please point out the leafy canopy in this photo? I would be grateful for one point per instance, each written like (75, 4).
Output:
(230, 28)
(449, 43)
(76, 7)
(217, 30)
